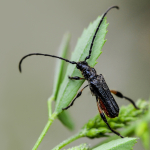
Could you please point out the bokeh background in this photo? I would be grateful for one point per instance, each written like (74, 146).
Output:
(38, 26)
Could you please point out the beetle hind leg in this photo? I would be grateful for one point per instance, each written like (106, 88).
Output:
(118, 94)
(104, 118)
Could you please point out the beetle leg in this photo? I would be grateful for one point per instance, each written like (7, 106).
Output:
(79, 94)
(75, 78)
(117, 93)
(104, 118)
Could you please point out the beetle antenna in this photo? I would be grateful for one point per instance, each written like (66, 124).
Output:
(97, 31)
(72, 62)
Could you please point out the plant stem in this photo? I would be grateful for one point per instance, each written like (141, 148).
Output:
(50, 120)
(49, 104)
(66, 142)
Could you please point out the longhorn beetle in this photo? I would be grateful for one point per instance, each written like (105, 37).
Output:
(105, 101)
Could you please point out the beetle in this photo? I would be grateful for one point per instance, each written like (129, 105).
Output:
(105, 101)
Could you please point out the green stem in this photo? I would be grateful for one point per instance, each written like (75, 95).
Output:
(66, 142)
(50, 120)
(49, 104)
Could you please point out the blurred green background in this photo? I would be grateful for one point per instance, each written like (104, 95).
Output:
(38, 26)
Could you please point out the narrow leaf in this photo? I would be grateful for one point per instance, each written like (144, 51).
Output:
(64, 47)
(66, 120)
(60, 64)
(69, 88)
(119, 144)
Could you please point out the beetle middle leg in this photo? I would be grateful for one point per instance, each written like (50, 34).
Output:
(75, 78)
(104, 118)
(78, 95)
(117, 93)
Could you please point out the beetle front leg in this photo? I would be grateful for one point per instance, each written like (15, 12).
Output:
(104, 118)
(75, 78)
(78, 95)
(117, 93)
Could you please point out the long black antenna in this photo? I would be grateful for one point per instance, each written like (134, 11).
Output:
(97, 31)
(72, 62)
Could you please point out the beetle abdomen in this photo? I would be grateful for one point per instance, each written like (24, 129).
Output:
(107, 102)
(111, 113)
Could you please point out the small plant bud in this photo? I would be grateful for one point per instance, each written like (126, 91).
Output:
(91, 123)
(92, 133)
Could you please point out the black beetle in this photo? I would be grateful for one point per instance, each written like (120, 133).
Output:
(105, 101)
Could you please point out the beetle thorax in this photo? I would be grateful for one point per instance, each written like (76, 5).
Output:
(87, 71)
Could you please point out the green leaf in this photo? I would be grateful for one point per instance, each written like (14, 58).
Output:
(69, 88)
(80, 147)
(63, 117)
(119, 144)
(66, 120)
(60, 64)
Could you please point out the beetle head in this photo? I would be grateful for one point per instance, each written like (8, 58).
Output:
(82, 65)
